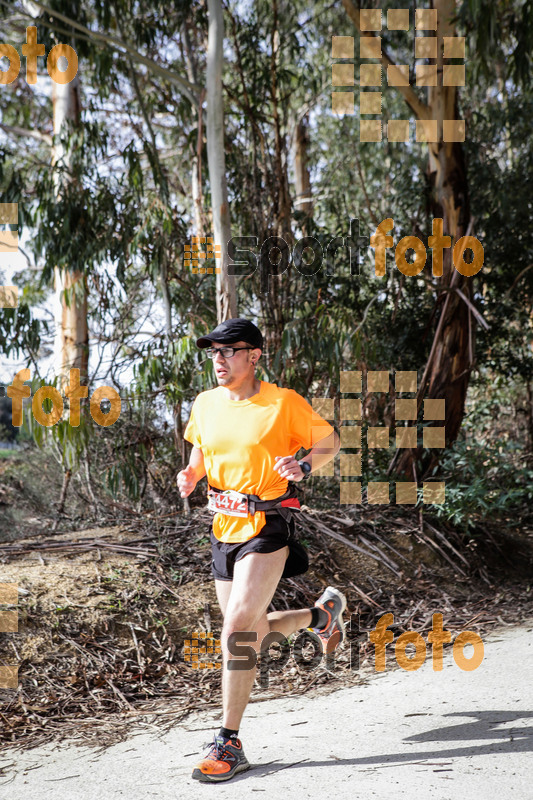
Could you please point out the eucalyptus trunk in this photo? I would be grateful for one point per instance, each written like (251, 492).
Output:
(302, 179)
(451, 358)
(226, 298)
(71, 341)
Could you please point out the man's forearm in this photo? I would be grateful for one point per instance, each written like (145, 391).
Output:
(196, 461)
(323, 451)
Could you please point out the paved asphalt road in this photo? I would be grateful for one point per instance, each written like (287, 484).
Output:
(442, 735)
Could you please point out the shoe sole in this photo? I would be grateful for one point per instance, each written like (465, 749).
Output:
(198, 775)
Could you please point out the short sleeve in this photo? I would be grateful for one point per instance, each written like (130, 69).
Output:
(306, 426)
(192, 432)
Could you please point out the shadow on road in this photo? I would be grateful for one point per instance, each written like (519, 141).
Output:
(513, 740)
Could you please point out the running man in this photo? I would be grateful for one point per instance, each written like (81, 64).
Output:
(245, 434)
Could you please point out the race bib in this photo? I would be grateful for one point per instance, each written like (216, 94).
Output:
(228, 502)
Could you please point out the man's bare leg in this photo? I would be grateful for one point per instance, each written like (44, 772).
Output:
(244, 605)
(286, 622)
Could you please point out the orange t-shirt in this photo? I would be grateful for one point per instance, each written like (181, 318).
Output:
(239, 440)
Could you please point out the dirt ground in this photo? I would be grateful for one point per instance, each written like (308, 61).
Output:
(104, 613)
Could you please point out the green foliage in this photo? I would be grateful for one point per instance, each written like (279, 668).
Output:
(500, 35)
(19, 330)
(67, 443)
(489, 470)
(123, 210)
(487, 482)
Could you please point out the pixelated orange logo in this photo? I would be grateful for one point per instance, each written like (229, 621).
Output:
(426, 50)
(407, 435)
(200, 649)
(8, 624)
(198, 252)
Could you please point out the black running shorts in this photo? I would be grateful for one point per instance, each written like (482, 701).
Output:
(275, 534)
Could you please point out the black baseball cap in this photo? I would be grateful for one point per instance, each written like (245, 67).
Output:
(233, 330)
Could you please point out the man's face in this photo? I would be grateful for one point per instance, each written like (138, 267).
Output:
(230, 371)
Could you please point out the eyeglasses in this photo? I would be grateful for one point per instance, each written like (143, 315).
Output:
(225, 352)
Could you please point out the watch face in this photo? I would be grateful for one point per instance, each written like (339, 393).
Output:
(305, 467)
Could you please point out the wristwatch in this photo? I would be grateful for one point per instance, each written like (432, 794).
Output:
(305, 466)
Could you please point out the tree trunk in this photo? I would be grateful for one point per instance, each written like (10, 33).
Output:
(529, 416)
(226, 297)
(451, 358)
(67, 474)
(448, 369)
(167, 304)
(302, 179)
(199, 228)
(196, 153)
(196, 177)
(71, 343)
(276, 298)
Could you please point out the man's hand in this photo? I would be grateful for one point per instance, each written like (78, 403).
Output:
(186, 481)
(288, 467)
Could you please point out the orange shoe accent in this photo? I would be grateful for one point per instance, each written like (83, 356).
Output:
(333, 632)
(213, 767)
(323, 607)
